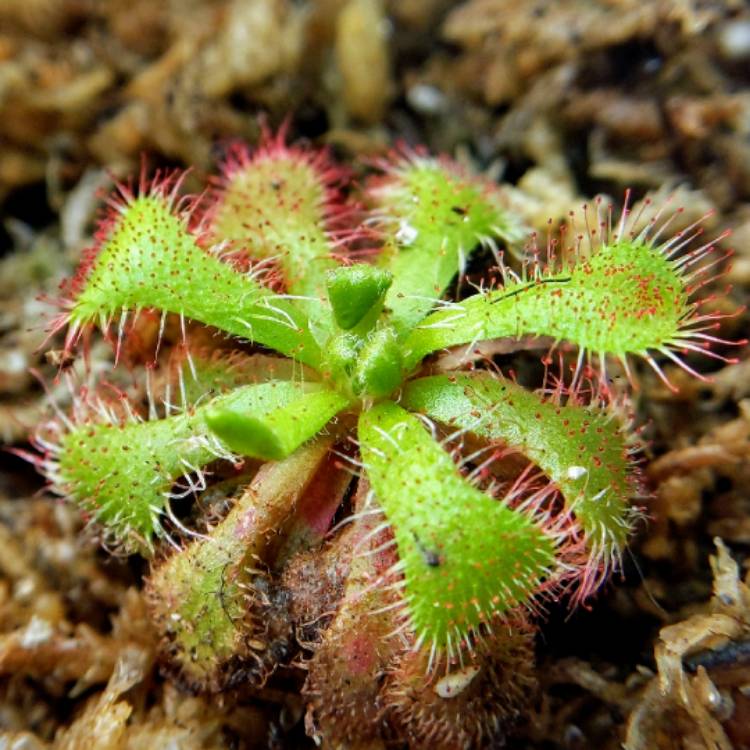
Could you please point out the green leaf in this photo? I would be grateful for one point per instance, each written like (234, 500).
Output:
(276, 433)
(150, 260)
(276, 204)
(465, 556)
(367, 365)
(124, 472)
(627, 298)
(436, 217)
(581, 449)
(379, 367)
(354, 291)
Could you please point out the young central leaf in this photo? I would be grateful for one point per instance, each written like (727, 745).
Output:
(465, 556)
(273, 435)
(354, 291)
(366, 365)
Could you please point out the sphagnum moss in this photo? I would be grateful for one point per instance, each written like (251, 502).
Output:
(463, 550)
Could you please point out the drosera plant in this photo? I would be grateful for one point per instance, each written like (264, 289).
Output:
(485, 498)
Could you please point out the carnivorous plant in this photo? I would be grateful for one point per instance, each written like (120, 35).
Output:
(396, 510)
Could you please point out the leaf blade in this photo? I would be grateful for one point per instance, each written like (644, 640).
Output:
(465, 556)
(582, 450)
(628, 298)
(437, 215)
(123, 471)
(149, 259)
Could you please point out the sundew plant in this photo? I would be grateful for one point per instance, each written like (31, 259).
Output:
(396, 511)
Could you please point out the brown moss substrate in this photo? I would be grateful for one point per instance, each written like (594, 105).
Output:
(562, 98)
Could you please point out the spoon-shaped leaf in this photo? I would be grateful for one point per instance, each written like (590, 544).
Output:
(465, 556)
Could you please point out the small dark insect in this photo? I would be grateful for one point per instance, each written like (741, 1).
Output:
(432, 558)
